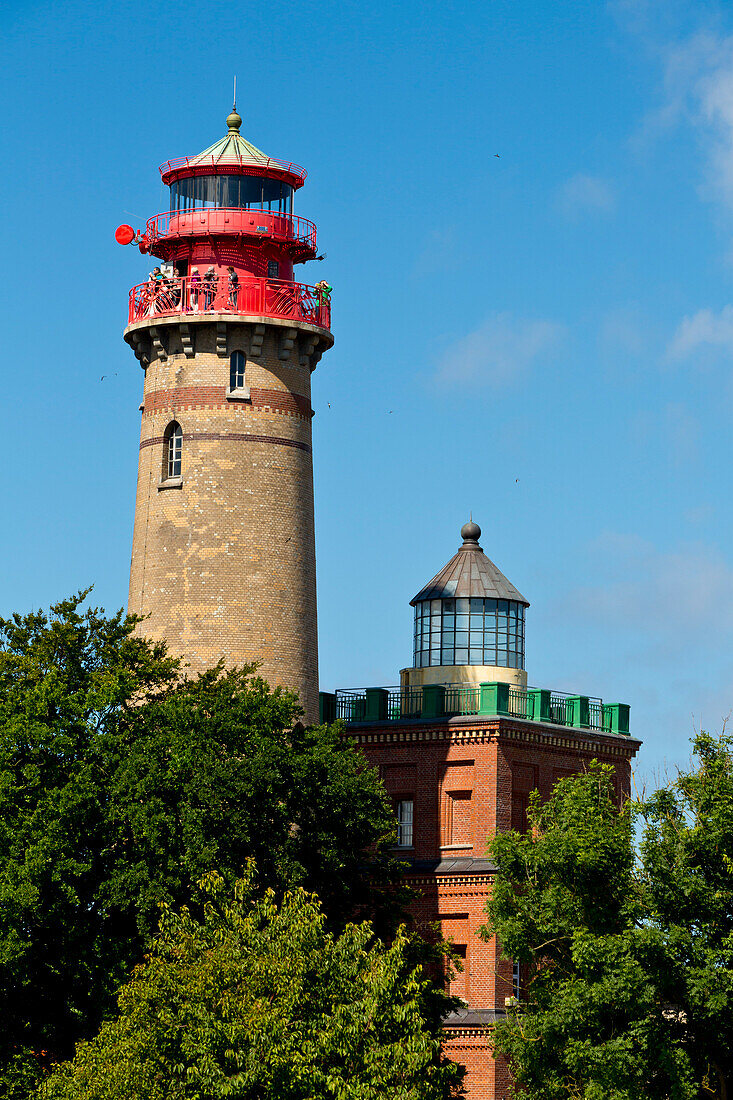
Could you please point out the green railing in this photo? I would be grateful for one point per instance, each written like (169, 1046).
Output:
(520, 703)
(462, 700)
(433, 701)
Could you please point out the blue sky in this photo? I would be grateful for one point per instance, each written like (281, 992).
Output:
(543, 338)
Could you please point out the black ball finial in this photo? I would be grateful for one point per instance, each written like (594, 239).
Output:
(470, 532)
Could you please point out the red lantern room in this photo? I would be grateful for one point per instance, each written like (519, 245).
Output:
(230, 238)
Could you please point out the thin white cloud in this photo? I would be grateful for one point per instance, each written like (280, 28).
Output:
(677, 598)
(697, 89)
(586, 194)
(500, 351)
(703, 329)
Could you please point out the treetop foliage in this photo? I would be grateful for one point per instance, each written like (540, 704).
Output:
(627, 964)
(256, 1000)
(123, 782)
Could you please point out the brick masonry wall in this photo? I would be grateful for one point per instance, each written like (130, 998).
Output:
(224, 565)
(468, 778)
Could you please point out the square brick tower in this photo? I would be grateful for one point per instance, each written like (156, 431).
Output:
(460, 745)
(223, 555)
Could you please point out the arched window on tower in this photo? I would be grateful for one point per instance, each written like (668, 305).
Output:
(172, 451)
(237, 364)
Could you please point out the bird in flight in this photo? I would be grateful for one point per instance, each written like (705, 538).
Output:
(497, 155)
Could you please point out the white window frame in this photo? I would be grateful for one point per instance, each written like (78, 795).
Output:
(405, 813)
(240, 390)
(175, 453)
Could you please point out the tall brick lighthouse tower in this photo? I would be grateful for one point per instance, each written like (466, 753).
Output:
(223, 555)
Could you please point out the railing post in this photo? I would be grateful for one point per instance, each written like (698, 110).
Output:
(579, 709)
(619, 717)
(433, 701)
(494, 698)
(326, 707)
(538, 700)
(376, 704)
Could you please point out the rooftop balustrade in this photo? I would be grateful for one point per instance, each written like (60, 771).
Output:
(245, 163)
(290, 229)
(435, 701)
(248, 297)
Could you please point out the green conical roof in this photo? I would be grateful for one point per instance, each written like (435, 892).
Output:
(230, 151)
(232, 148)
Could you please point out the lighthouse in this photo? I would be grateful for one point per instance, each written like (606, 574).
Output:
(223, 555)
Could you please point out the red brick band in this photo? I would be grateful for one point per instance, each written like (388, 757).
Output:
(212, 396)
(237, 437)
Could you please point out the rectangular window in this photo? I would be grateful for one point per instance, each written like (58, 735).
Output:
(516, 980)
(520, 805)
(404, 811)
(458, 979)
(273, 269)
(458, 828)
(175, 447)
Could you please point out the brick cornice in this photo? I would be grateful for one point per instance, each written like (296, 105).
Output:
(473, 1031)
(183, 398)
(496, 729)
(475, 881)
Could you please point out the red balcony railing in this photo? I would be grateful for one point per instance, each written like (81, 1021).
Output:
(250, 166)
(266, 224)
(259, 297)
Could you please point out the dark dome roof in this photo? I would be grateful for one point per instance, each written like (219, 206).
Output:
(470, 531)
(468, 574)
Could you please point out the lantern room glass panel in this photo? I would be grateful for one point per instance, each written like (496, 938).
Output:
(469, 632)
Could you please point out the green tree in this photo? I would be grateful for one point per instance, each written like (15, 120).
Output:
(567, 904)
(686, 885)
(261, 1001)
(121, 784)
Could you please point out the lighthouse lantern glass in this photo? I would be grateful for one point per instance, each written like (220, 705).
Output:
(469, 632)
(228, 191)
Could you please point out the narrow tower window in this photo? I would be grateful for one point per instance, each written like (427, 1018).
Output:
(404, 811)
(237, 363)
(172, 450)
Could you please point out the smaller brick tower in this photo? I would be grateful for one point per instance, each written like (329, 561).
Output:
(460, 745)
(223, 556)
